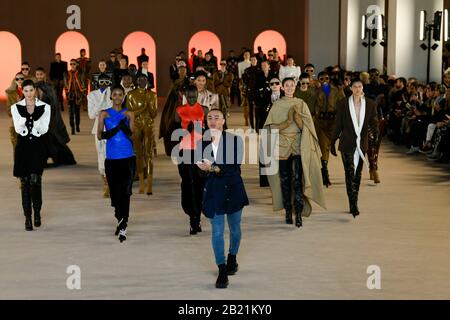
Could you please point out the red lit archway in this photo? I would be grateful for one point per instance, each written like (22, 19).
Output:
(270, 39)
(10, 60)
(69, 45)
(132, 46)
(205, 40)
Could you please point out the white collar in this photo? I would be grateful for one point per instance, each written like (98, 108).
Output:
(37, 102)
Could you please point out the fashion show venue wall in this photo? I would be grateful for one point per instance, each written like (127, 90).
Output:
(39, 28)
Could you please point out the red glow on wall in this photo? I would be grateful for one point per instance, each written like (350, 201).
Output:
(10, 60)
(271, 39)
(69, 45)
(205, 40)
(132, 46)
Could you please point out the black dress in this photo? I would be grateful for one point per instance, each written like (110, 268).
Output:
(31, 152)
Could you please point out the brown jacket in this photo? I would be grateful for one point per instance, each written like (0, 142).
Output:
(344, 130)
(322, 104)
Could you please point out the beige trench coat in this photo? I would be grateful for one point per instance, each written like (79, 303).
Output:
(310, 155)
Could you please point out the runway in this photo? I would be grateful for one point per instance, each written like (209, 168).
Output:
(404, 229)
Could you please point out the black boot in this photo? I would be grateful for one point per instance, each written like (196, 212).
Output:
(232, 265)
(325, 174)
(222, 279)
(299, 203)
(73, 131)
(355, 190)
(194, 226)
(289, 217)
(298, 220)
(26, 202)
(286, 188)
(122, 230)
(36, 197)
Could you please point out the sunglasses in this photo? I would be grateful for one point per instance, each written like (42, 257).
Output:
(25, 68)
(104, 82)
(324, 79)
(309, 71)
(73, 64)
(304, 83)
(274, 84)
(20, 79)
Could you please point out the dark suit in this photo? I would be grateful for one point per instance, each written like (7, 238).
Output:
(224, 192)
(150, 79)
(345, 132)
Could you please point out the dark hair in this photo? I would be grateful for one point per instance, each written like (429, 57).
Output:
(117, 88)
(25, 63)
(403, 80)
(102, 60)
(322, 73)
(191, 87)
(289, 57)
(304, 75)
(286, 80)
(82, 50)
(104, 77)
(217, 109)
(74, 60)
(254, 56)
(140, 75)
(200, 73)
(132, 65)
(28, 82)
(247, 50)
(40, 69)
(309, 65)
(57, 54)
(355, 80)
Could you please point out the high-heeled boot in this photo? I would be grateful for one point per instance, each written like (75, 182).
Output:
(36, 198)
(325, 174)
(286, 194)
(26, 202)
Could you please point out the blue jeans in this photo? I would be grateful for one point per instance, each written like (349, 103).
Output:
(218, 242)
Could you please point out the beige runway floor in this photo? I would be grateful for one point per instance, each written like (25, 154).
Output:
(404, 229)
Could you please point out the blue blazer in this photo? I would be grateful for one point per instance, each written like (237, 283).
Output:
(224, 192)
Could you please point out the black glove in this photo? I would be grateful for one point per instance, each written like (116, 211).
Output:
(333, 149)
(125, 129)
(106, 135)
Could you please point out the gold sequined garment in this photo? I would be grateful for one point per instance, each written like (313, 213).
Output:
(143, 103)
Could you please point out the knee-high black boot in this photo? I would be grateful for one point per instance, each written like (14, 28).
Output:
(349, 168)
(298, 191)
(36, 197)
(26, 202)
(325, 174)
(286, 181)
(355, 189)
